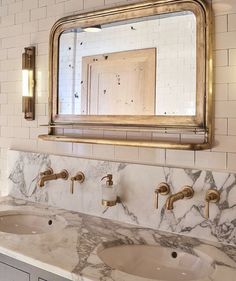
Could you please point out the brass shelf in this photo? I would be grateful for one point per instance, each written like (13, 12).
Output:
(125, 142)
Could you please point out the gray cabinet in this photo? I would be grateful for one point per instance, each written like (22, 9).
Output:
(14, 270)
(10, 273)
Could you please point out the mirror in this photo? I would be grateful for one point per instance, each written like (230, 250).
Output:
(144, 67)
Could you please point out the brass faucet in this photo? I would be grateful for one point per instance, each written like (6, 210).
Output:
(164, 189)
(49, 171)
(186, 192)
(212, 196)
(48, 176)
(80, 177)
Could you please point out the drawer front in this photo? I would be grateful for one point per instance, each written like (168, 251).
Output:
(9, 273)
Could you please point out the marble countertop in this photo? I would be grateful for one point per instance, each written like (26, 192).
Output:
(83, 234)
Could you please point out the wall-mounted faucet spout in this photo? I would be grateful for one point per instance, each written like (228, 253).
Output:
(48, 177)
(186, 192)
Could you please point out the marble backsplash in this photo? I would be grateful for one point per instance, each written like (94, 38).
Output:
(136, 186)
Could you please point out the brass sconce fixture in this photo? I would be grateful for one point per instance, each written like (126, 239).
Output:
(28, 83)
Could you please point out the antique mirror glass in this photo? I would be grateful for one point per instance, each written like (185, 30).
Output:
(145, 66)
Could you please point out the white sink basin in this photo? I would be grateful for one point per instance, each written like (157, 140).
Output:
(26, 222)
(157, 263)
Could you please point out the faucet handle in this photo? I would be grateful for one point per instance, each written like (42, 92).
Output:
(187, 191)
(47, 172)
(212, 196)
(163, 188)
(80, 177)
(63, 175)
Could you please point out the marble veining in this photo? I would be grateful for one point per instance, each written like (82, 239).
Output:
(136, 185)
(85, 234)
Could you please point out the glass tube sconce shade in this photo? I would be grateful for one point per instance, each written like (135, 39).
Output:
(28, 83)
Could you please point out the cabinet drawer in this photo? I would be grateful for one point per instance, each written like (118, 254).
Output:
(9, 273)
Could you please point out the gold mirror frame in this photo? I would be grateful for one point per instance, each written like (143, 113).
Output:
(202, 122)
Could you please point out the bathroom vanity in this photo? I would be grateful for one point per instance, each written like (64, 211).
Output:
(145, 80)
(76, 251)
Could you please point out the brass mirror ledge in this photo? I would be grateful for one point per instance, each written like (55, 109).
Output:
(137, 143)
(203, 118)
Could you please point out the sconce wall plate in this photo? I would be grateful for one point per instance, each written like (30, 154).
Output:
(28, 83)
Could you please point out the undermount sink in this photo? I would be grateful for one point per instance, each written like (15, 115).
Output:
(26, 222)
(157, 263)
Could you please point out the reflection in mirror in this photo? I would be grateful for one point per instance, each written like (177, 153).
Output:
(145, 66)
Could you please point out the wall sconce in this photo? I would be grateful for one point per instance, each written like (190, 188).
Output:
(28, 83)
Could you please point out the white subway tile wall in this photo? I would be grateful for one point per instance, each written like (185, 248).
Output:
(28, 22)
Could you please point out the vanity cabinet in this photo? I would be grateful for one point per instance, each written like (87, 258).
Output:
(10, 273)
(14, 270)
